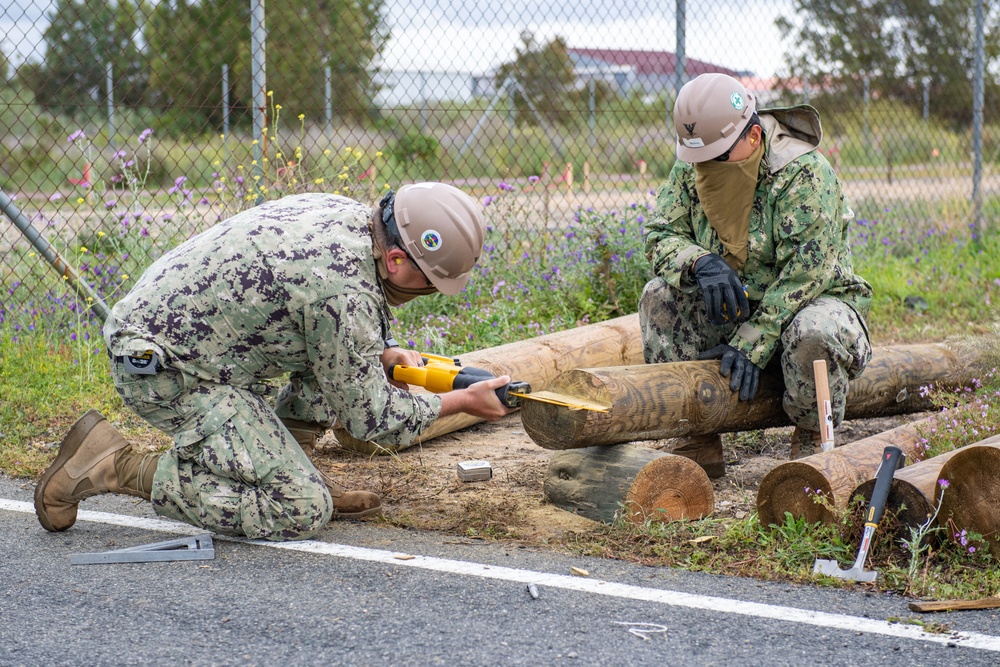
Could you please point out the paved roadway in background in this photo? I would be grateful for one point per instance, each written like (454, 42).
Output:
(347, 599)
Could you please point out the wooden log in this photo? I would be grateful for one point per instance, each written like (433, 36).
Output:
(792, 487)
(954, 605)
(600, 482)
(972, 499)
(656, 401)
(536, 361)
(911, 496)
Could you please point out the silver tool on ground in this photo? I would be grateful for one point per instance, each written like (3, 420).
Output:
(892, 458)
(474, 471)
(199, 547)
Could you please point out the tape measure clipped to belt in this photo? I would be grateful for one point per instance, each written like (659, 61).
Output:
(144, 363)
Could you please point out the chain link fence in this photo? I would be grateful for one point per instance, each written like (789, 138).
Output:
(127, 126)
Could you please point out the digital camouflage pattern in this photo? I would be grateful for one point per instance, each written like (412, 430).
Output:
(798, 251)
(288, 286)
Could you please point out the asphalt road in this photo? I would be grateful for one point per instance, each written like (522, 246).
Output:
(366, 594)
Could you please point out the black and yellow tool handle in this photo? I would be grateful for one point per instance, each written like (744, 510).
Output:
(443, 374)
(892, 458)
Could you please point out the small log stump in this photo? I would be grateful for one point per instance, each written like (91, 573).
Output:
(834, 475)
(972, 498)
(596, 482)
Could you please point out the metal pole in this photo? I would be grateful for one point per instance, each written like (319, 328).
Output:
(82, 289)
(329, 103)
(423, 102)
(867, 139)
(977, 127)
(225, 102)
(927, 98)
(110, 84)
(258, 43)
(680, 62)
(590, 122)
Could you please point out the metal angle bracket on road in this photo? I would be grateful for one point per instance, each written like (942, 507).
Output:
(199, 547)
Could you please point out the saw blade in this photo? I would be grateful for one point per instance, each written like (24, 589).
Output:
(572, 403)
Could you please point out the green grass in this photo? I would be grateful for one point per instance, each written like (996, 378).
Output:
(533, 281)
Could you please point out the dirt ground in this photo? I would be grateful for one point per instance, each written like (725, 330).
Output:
(420, 487)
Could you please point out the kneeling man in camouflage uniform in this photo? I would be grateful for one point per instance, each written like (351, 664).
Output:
(752, 260)
(300, 285)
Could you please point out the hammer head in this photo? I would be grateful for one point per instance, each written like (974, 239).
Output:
(831, 568)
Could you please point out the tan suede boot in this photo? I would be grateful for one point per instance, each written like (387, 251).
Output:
(89, 461)
(346, 504)
(805, 443)
(705, 450)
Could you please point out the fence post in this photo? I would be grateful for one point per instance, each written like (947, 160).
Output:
(586, 177)
(258, 44)
(569, 182)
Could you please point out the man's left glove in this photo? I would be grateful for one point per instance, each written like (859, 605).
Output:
(745, 374)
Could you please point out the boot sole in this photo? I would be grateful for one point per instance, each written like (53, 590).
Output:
(67, 448)
(375, 511)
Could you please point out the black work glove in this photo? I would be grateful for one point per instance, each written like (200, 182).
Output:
(722, 290)
(745, 374)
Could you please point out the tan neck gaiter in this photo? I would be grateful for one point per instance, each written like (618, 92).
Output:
(726, 192)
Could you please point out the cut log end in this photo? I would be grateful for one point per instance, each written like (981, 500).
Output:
(795, 488)
(670, 488)
(972, 497)
(906, 502)
(598, 482)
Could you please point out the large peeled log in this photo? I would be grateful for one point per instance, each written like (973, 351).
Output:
(793, 487)
(656, 401)
(640, 483)
(536, 361)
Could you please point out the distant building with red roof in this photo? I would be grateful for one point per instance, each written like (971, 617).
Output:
(626, 69)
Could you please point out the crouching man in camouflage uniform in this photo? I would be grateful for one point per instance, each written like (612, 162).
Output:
(297, 285)
(750, 251)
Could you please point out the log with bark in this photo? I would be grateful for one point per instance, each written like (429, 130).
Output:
(795, 487)
(656, 401)
(536, 361)
(971, 501)
(634, 482)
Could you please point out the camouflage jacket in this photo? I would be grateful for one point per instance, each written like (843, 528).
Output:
(798, 245)
(288, 286)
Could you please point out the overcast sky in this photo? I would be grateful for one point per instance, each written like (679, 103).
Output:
(475, 36)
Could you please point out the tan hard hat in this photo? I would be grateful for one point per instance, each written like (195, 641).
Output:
(710, 113)
(442, 229)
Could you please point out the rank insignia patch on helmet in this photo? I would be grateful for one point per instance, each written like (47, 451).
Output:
(430, 240)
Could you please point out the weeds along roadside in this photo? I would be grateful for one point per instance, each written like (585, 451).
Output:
(933, 279)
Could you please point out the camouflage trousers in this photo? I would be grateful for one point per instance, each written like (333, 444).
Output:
(234, 468)
(676, 327)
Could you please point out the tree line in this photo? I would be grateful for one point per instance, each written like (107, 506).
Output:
(169, 55)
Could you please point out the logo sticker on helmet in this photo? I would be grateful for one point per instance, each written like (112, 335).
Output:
(736, 100)
(431, 240)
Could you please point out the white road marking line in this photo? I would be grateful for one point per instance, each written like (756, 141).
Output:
(564, 581)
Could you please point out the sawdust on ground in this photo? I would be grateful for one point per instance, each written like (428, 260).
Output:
(420, 487)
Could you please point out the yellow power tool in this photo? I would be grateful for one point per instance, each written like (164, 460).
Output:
(442, 374)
